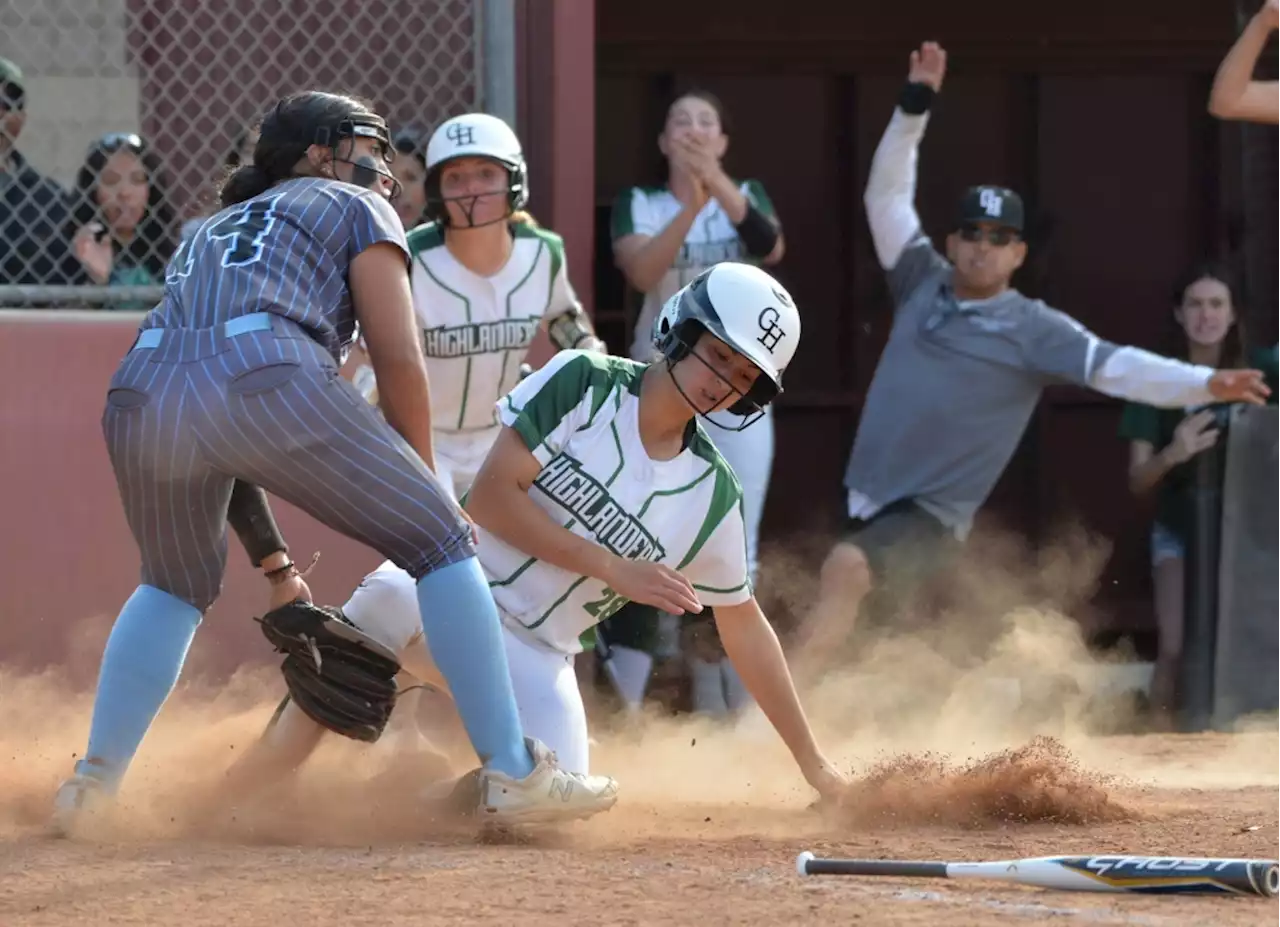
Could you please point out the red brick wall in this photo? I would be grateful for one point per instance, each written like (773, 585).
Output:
(69, 561)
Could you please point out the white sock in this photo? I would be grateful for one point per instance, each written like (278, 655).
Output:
(629, 669)
(668, 644)
(708, 688)
(736, 695)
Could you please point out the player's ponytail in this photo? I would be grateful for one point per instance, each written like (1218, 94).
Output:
(523, 217)
(286, 132)
(244, 183)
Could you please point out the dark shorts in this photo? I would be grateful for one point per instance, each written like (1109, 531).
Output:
(905, 547)
(634, 625)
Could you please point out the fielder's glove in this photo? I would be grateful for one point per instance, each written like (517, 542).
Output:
(339, 676)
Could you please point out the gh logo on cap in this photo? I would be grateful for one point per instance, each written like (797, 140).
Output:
(992, 203)
(460, 134)
(770, 331)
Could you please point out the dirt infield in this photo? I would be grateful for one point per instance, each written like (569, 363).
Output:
(707, 831)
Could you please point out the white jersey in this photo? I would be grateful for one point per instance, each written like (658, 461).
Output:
(712, 239)
(578, 415)
(476, 330)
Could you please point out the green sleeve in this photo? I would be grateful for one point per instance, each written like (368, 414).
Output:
(622, 220)
(760, 199)
(1140, 423)
(1266, 360)
(546, 407)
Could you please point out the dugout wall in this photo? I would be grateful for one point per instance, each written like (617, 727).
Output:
(1247, 655)
(1095, 114)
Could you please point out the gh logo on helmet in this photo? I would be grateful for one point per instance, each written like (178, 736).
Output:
(460, 134)
(770, 331)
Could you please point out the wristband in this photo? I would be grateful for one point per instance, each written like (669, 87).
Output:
(758, 233)
(915, 98)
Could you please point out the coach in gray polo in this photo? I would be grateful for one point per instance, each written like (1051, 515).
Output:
(963, 369)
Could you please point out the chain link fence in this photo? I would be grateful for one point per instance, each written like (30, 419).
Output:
(119, 117)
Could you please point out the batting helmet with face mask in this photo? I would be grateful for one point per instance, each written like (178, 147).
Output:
(746, 309)
(474, 135)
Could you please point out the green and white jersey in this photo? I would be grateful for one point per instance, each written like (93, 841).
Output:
(579, 417)
(476, 330)
(712, 239)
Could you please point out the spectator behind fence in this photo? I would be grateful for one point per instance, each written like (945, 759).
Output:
(663, 237)
(34, 248)
(1163, 443)
(122, 224)
(410, 168)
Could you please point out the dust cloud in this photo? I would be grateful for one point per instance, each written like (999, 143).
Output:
(982, 707)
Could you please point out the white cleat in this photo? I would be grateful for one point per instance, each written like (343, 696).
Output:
(78, 798)
(548, 795)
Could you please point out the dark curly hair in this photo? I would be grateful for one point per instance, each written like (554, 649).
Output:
(286, 132)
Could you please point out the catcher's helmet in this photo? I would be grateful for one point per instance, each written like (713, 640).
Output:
(475, 135)
(314, 117)
(746, 309)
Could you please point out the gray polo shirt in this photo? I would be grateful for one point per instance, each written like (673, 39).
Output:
(955, 387)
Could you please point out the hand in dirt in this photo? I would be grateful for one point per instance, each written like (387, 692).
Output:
(831, 784)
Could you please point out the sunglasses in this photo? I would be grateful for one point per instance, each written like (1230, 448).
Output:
(114, 141)
(997, 237)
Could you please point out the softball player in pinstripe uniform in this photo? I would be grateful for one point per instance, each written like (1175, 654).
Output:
(602, 489)
(235, 376)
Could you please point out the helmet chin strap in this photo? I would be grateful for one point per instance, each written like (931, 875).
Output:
(748, 418)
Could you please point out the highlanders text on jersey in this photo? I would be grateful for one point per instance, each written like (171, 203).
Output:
(711, 240)
(476, 330)
(578, 415)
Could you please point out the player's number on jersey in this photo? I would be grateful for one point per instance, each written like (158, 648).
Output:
(606, 605)
(243, 232)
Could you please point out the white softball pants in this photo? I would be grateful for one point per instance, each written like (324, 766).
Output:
(385, 606)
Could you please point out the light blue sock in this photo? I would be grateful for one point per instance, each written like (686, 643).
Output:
(140, 666)
(464, 635)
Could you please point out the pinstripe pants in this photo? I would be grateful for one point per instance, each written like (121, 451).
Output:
(185, 418)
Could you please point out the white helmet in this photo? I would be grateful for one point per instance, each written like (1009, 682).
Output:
(746, 309)
(475, 135)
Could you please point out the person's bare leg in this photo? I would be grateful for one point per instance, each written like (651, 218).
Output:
(1170, 594)
(844, 582)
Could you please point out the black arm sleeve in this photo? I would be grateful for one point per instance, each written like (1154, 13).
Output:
(757, 231)
(250, 516)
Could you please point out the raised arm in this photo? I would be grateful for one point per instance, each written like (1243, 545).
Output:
(1235, 95)
(890, 194)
